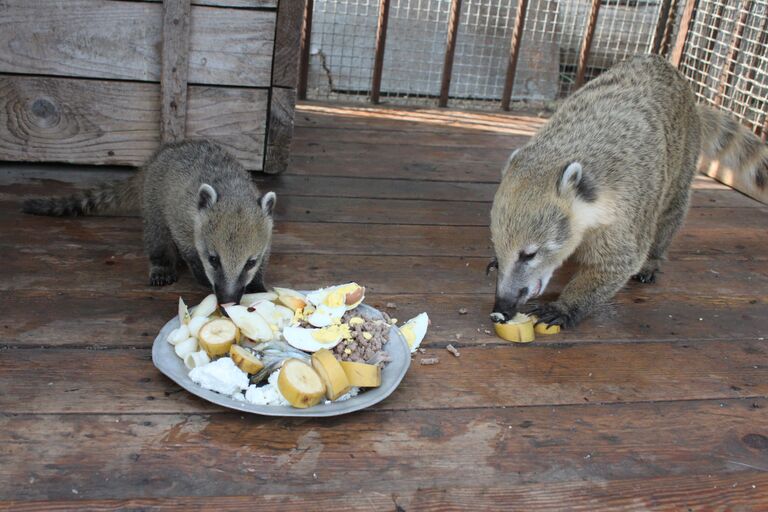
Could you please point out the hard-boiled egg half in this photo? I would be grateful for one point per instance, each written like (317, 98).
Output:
(312, 340)
(331, 303)
(414, 330)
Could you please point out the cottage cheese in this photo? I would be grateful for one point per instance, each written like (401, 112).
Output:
(268, 394)
(221, 376)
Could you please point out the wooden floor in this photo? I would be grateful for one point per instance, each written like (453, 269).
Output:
(659, 401)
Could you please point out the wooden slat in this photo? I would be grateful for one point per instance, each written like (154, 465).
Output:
(669, 28)
(120, 381)
(450, 50)
(743, 490)
(175, 69)
(637, 313)
(661, 27)
(378, 58)
(514, 53)
(285, 67)
(682, 33)
(122, 40)
(119, 457)
(306, 41)
(241, 4)
(586, 43)
(281, 111)
(733, 52)
(106, 122)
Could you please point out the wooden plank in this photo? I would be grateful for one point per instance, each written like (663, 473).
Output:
(175, 70)
(285, 67)
(661, 27)
(241, 4)
(514, 53)
(107, 122)
(306, 37)
(744, 490)
(373, 452)
(122, 40)
(682, 33)
(378, 58)
(85, 381)
(586, 43)
(669, 28)
(727, 72)
(282, 106)
(132, 318)
(450, 50)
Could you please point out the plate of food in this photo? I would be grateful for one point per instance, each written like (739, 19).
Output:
(289, 353)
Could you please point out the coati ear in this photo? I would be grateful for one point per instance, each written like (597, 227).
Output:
(267, 202)
(206, 196)
(506, 164)
(573, 179)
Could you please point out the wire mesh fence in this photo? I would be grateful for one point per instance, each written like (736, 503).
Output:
(562, 43)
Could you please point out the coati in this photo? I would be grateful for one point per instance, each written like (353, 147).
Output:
(198, 204)
(608, 180)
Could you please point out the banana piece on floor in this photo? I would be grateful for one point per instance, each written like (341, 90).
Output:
(300, 384)
(331, 373)
(517, 330)
(217, 336)
(362, 375)
(244, 359)
(542, 328)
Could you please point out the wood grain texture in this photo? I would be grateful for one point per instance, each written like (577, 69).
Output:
(744, 491)
(550, 375)
(227, 454)
(122, 40)
(106, 122)
(285, 67)
(514, 53)
(450, 50)
(175, 69)
(381, 42)
(682, 33)
(281, 111)
(586, 43)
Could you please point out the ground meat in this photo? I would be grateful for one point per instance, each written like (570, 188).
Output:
(368, 338)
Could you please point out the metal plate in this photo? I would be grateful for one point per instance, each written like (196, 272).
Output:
(166, 360)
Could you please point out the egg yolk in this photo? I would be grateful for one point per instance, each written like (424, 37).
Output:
(408, 334)
(338, 297)
(331, 333)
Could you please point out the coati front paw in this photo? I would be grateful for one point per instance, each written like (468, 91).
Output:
(162, 276)
(647, 274)
(555, 314)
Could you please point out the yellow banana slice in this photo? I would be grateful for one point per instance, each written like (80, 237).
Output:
(517, 330)
(300, 384)
(244, 359)
(217, 336)
(362, 375)
(543, 328)
(331, 373)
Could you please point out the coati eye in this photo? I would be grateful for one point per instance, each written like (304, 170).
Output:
(527, 256)
(249, 264)
(214, 261)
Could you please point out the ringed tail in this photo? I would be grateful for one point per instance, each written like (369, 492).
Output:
(724, 139)
(116, 198)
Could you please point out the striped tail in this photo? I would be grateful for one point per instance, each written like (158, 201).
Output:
(742, 158)
(107, 198)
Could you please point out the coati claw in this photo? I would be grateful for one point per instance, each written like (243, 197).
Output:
(550, 314)
(162, 277)
(493, 264)
(645, 276)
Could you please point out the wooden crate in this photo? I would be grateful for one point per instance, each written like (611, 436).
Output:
(105, 81)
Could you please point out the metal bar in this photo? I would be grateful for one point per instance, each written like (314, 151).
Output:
(733, 52)
(661, 25)
(381, 40)
(682, 34)
(514, 53)
(306, 39)
(586, 43)
(669, 27)
(450, 50)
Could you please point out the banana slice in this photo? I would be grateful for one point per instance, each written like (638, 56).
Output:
(196, 359)
(217, 336)
(300, 384)
(291, 298)
(183, 312)
(543, 328)
(206, 308)
(185, 348)
(331, 373)
(179, 334)
(245, 360)
(362, 375)
(518, 330)
(196, 324)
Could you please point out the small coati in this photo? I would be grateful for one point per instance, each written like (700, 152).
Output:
(607, 180)
(198, 204)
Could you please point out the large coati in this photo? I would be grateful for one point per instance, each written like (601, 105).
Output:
(608, 180)
(199, 205)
